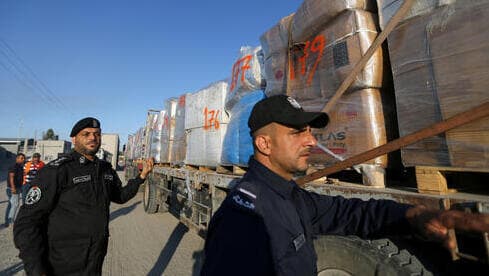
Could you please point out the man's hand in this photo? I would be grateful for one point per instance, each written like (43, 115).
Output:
(147, 168)
(434, 224)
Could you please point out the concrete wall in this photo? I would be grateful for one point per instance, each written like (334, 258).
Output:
(49, 149)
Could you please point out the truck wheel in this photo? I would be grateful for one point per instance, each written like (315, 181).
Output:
(151, 198)
(338, 255)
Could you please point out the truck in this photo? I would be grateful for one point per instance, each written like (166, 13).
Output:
(435, 159)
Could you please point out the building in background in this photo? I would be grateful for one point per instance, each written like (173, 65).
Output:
(109, 150)
(51, 149)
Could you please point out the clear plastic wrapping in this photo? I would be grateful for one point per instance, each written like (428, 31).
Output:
(205, 123)
(321, 61)
(275, 44)
(149, 132)
(156, 137)
(246, 75)
(237, 145)
(357, 124)
(168, 130)
(179, 148)
(440, 66)
(387, 8)
(313, 15)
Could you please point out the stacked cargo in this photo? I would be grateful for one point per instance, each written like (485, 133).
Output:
(206, 126)
(440, 68)
(155, 136)
(168, 130)
(179, 148)
(129, 149)
(246, 79)
(308, 55)
(148, 130)
(139, 143)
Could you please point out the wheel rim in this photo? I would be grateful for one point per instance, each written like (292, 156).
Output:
(334, 272)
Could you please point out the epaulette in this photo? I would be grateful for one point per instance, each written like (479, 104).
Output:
(244, 197)
(60, 161)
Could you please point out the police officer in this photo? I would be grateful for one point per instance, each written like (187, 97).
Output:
(266, 224)
(63, 227)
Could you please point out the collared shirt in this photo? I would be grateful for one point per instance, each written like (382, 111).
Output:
(18, 171)
(266, 225)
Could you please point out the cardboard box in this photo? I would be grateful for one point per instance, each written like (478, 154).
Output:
(440, 66)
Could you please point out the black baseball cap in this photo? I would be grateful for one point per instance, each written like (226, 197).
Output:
(84, 123)
(286, 111)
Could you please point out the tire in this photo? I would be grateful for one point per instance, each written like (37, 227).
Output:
(339, 255)
(151, 199)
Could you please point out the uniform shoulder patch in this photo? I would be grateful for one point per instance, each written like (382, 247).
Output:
(60, 161)
(244, 197)
(33, 195)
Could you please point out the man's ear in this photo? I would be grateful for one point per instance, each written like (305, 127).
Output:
(262, 143)
(73, 140)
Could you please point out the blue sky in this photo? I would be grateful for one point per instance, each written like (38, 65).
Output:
(64, 60)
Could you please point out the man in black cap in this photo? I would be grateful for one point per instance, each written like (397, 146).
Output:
(63, 227)
(266, 224)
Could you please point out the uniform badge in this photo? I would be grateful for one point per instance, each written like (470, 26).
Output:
(83, 178)
(243, 202)
(82, 160)
(299, 242)
(33, 195)
(108, 177)
(294, 103)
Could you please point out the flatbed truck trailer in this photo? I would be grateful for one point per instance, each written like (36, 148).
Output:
(193, 194)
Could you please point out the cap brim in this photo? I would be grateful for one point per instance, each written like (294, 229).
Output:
(312, 119)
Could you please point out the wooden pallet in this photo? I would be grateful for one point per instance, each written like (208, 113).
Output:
(369, 176)
(231, 169)
(200, 168)
(433, 180)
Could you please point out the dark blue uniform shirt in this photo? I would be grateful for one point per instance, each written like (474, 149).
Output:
(266, 225)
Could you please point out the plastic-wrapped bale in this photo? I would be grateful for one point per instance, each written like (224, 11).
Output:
(320, 62)
(206, 122)
(139, 143)
(179, 148)
(156, 147)
(357, 124)
(387, 9)
(168, 130)
(129, 152)
(237, 145)
(151, 122)
(312, 15)
(246, 75)
(440, 68)
(327, 58)
(275, 44)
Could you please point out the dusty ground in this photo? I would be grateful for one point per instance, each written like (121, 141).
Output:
(140, 244)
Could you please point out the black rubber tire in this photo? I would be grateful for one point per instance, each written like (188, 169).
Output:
(151, 200)
(350, 255)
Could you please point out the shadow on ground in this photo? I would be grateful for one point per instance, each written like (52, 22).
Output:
(123, 211)
(13, 269)
(169, 249)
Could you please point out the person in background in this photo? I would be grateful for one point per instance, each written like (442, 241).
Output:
(31, 168)
(63, 229)
(15, 178)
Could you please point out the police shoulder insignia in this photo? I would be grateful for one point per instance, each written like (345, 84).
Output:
(58, 162)
(33, 195)
(244, 198)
